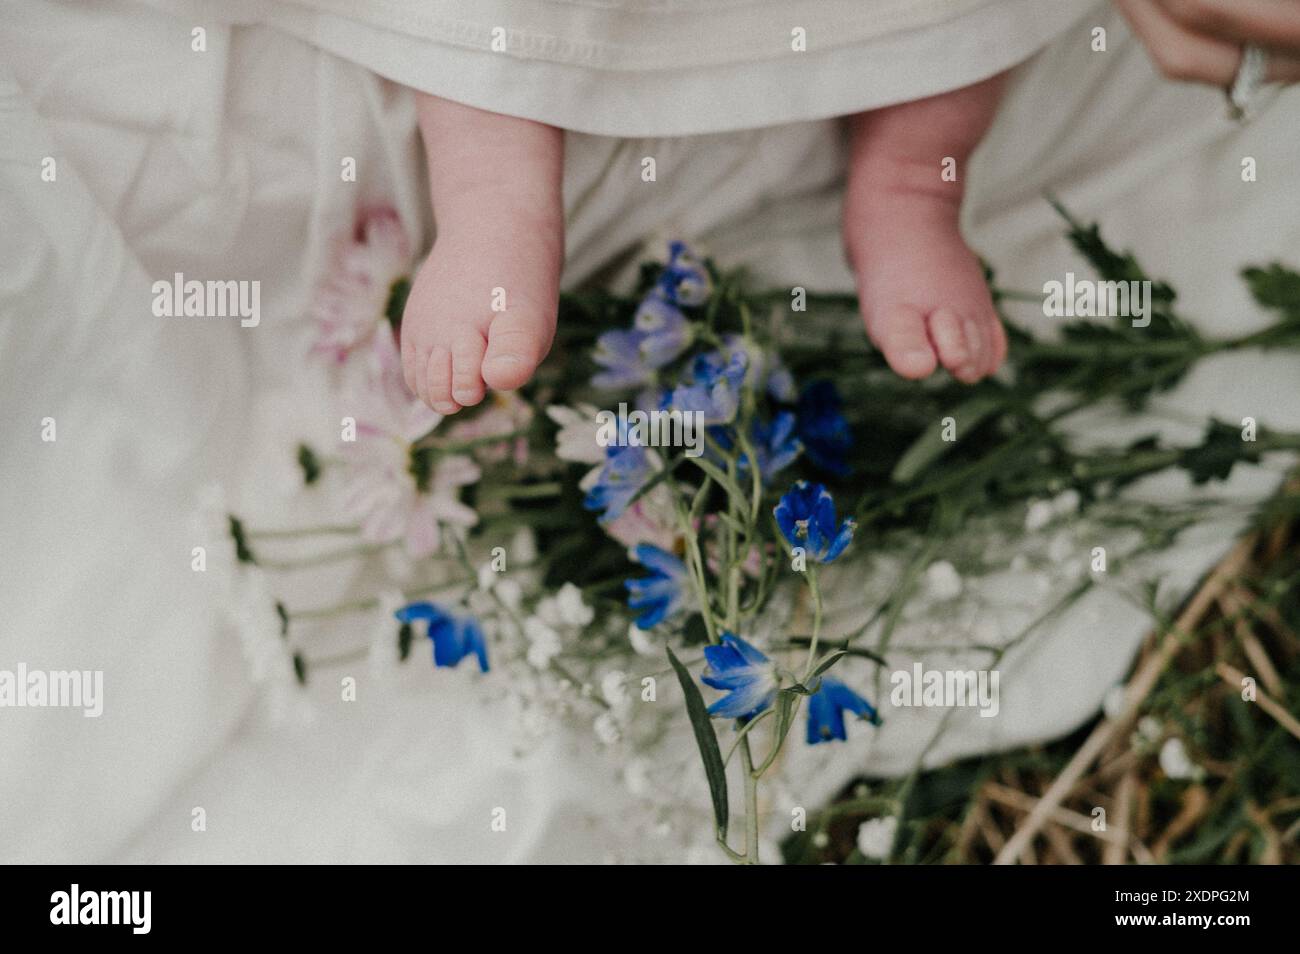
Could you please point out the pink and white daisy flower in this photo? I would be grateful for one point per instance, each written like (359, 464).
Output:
(505, 413)
(351, 303)
(392, 494)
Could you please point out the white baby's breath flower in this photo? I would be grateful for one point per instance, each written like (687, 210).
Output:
(523, 546)
(543, 643)
(487, 577)
(510, 592)
(578, 437)
(1175, 761)
(607, 729)
(1039, 515)
(613, 688)
(1149, 731)
(480, 603)
(641, 642)
(565, 608)
(1066, 503)
(942, 581)
(1113, 702)
(876, 836)
(636, 776)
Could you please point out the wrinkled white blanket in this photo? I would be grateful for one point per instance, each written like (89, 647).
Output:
(225, 163)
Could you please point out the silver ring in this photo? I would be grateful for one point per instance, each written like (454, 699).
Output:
(1248, 81)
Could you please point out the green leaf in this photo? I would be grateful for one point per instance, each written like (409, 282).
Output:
(396, 304)
(1275, 287)
(1215, 457)
(830, 659)
(695, 632)
(242, 551)
(785, 712)
(309, 464)
(707, 740)
(659, 477)
(732, 488)
(930, 446)
(1109, 264)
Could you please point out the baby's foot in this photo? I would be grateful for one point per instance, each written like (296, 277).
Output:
(482, 308)
(481, 313)
(922, 290)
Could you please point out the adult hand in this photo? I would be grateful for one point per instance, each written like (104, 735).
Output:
(1201, 41)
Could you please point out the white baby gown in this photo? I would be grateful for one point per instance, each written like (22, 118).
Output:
(674, 67)
(226, 163)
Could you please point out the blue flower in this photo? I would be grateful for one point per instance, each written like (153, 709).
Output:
(780, 382)
(826, 711)
(630, 357)
(661, 594)
(714, 388)
(747, 676)
(623, 365)
(665, 331)
(454, 637)
(765, 370)
(806, 516)
(774, 445)
(684, 280)
(823, 429)
(625, 471)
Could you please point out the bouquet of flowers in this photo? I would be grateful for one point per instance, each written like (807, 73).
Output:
(669, 496)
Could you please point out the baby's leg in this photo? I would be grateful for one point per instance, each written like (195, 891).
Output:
(923, 293)
(481, 312)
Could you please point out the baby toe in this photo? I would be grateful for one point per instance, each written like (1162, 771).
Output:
(955, 352)
(438, 378)
(899, 332)
(977, 335)
(999, 335)
(412, 367)
(467, 369)
(517, 342)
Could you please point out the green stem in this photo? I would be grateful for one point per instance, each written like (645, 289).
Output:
(743, 733)
(294, 533)
(751, 803)
(815, 592)
(695, 561)
(324, 559)
(459, 447)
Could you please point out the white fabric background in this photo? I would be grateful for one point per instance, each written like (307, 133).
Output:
(226, 164)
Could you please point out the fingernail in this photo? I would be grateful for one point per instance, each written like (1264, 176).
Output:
(445, 408)
(465, 396)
